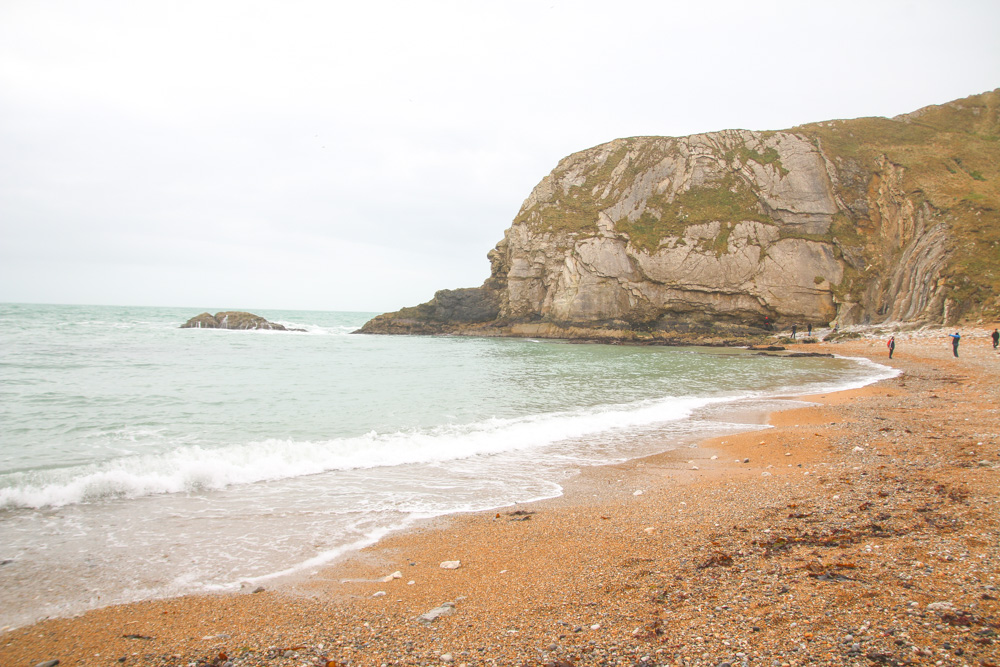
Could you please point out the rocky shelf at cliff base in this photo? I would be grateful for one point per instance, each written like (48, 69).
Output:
(235, 320)
(735, 234)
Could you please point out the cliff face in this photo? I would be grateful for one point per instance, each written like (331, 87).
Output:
(863, 221)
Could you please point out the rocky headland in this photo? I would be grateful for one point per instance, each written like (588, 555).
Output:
(234, 319)
(730, 234)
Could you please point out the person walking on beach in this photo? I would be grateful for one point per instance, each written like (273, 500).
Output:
(793, 331)
(891, 345)
(996, 338)
(955, 337)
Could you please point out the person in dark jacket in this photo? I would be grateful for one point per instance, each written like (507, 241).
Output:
(996, 338)
(891, 345)
(955, 337)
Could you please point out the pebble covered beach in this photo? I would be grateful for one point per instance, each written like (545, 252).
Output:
(860, 530)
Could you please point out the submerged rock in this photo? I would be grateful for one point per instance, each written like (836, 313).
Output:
(233, 320)
(795, 355)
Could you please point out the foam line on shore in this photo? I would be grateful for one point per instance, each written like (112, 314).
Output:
(196, 468)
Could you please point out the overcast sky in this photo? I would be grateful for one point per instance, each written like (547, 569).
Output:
(361, 155)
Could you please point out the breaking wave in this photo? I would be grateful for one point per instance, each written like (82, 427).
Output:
(196, 468)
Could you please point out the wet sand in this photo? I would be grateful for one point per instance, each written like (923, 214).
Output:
(860, 530)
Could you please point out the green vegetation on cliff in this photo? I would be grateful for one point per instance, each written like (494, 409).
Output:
(950, 156)
(572, 212)
(727, 201)
(769, 156)
(576, 209)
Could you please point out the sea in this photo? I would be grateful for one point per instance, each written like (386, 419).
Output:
(140, 460)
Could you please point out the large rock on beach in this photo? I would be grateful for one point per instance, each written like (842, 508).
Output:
(232, 320)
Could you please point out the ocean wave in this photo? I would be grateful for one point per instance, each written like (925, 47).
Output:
(192, 468)
(302, 328)
(195, 469)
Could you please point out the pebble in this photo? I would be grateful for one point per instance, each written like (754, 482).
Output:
(451, 564)
(941, 606)
(436, 613)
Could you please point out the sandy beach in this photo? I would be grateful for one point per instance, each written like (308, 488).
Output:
(862, 529)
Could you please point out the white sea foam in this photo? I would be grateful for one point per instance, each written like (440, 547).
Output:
(196, 468)
(326, 556)
(312, 329)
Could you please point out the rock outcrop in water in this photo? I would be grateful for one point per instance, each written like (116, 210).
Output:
(850, 222)
(232, 320)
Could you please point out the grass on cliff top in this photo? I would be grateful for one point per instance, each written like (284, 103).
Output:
(950, 154)
(948, 151)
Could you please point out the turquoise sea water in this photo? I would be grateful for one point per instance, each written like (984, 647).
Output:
(138, 459)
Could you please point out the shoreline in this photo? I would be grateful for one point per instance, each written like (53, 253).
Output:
(708, 545)
(716, 416)
(66, 595)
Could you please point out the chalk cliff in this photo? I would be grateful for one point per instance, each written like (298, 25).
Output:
(859, 221)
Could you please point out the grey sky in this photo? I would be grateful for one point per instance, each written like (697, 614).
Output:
(361, 155)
